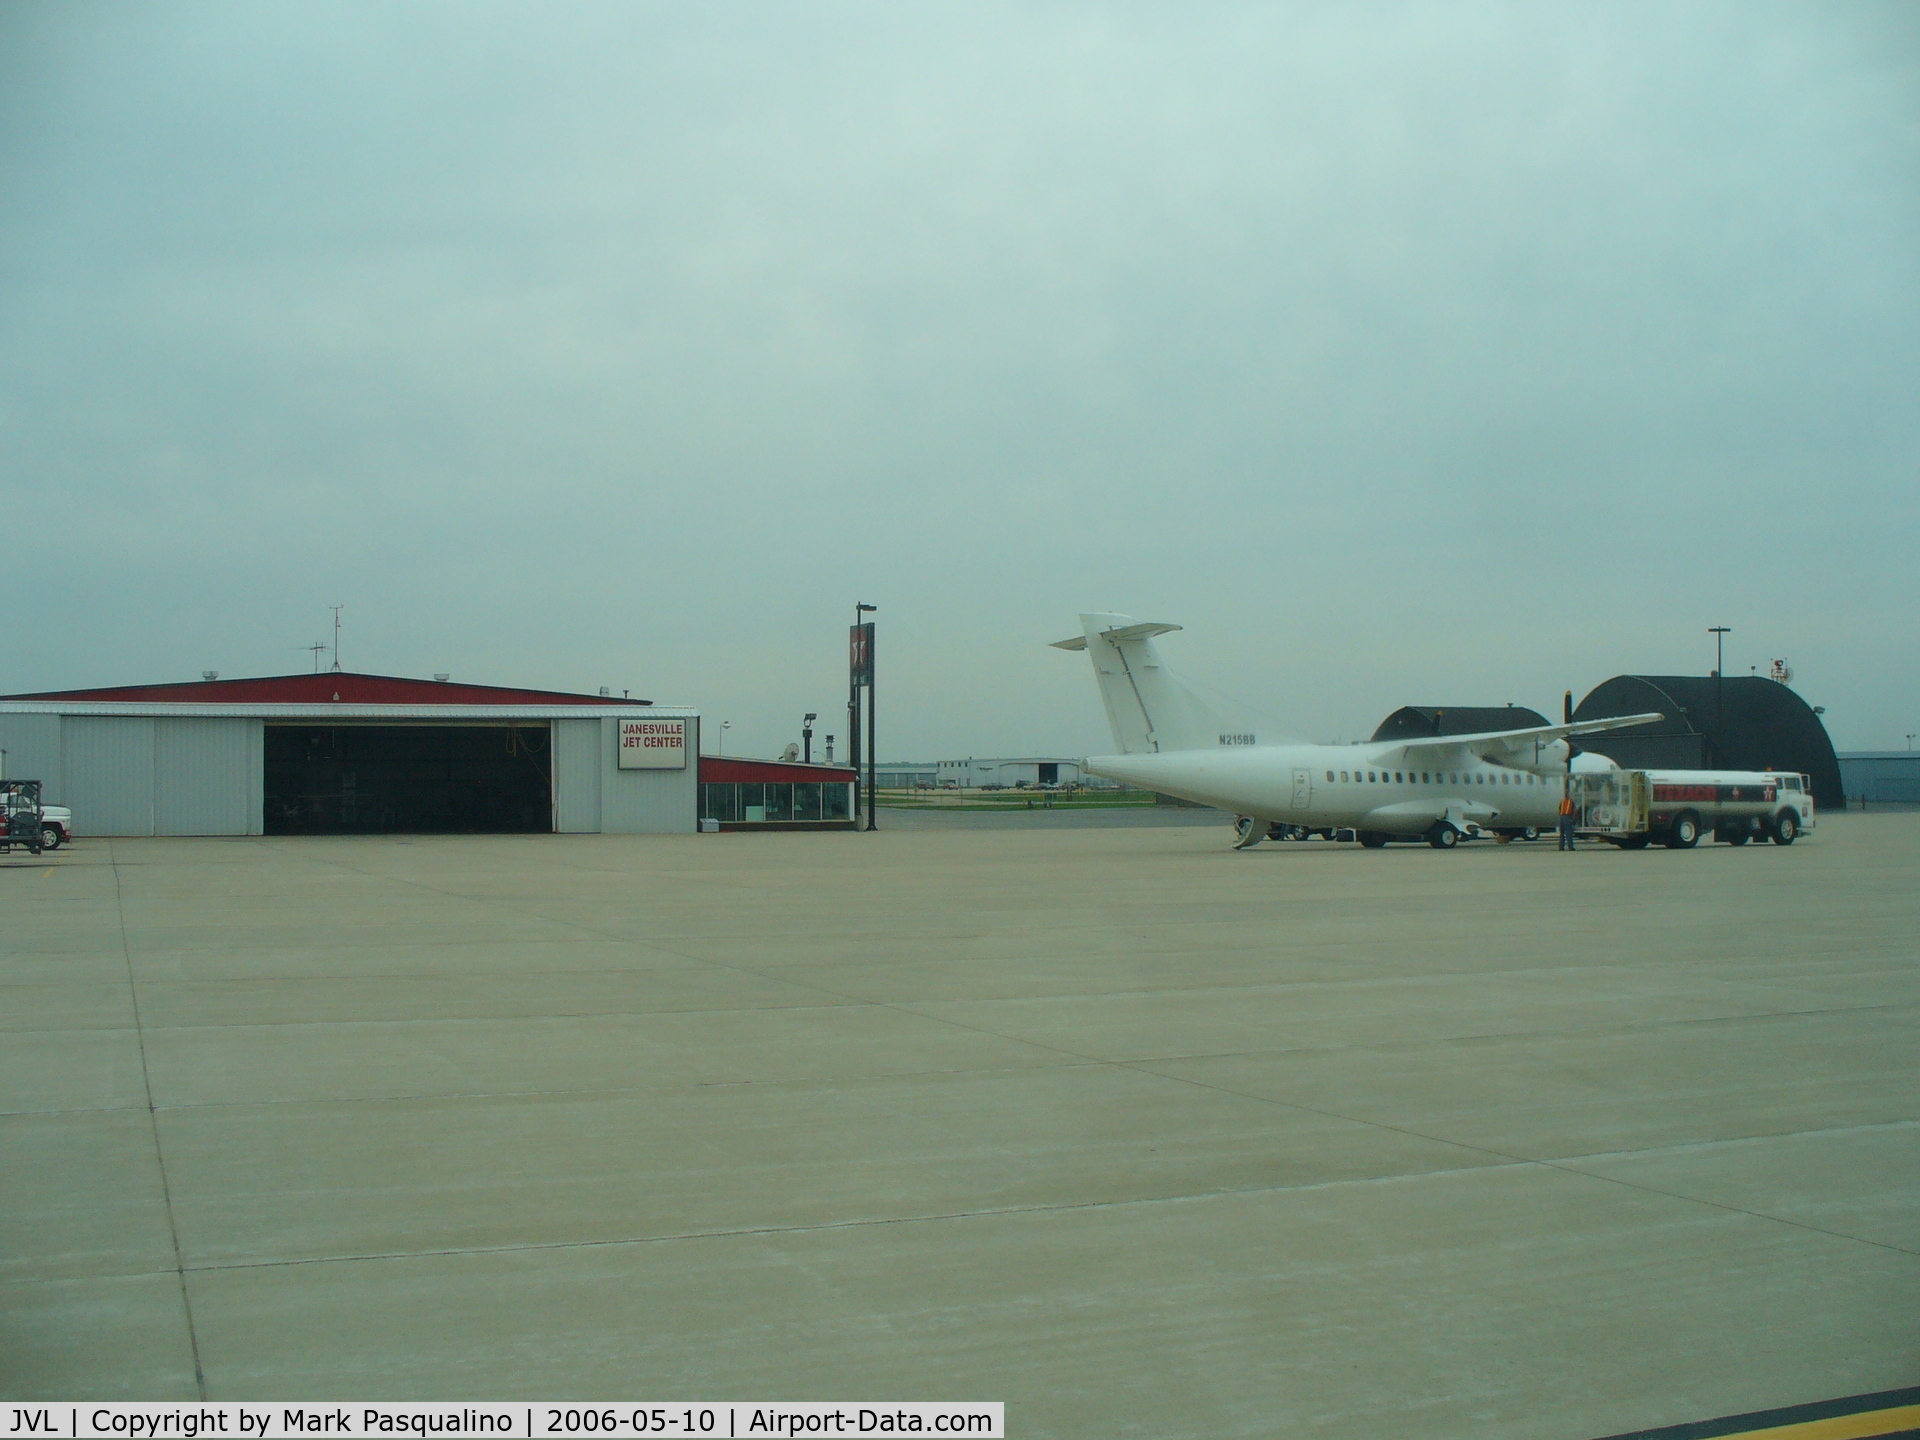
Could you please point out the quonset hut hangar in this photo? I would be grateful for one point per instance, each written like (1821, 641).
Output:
(1734, 722)
(1427, 722)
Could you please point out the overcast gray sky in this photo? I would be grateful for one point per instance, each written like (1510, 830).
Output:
(1404, 354)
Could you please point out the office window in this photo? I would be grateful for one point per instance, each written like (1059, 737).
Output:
(836, 800)
(806, 801)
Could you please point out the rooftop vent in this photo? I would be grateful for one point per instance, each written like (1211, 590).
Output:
(209, 674)
(442, 676)
(606, 690)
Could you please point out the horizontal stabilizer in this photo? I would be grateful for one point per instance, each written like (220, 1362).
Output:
(1123, 632)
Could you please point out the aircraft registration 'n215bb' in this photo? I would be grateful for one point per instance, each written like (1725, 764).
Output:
(1505, 782)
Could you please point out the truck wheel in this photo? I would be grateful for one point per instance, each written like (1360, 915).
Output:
(1786, 828)
(1372, 839)
(50, 837)
(1443, 836)
(1685, 833)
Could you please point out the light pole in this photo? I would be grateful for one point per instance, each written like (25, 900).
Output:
(806, 736)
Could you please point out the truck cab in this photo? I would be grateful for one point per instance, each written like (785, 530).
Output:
(56, 826)
(1796, 794)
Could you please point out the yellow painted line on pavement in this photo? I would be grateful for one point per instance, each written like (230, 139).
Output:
(1841, 1427)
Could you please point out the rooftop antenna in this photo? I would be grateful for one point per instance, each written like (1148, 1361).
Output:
(319, 648)
(336, 635)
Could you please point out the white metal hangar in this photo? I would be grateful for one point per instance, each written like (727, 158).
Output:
(335, 753)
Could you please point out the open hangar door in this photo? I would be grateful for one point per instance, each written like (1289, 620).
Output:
(418, 779)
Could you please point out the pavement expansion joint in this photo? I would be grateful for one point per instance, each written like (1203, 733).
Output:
(1690, 1147)
(865, 1222)
(159, 1150)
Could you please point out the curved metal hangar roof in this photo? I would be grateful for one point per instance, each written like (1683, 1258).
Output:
(1739, 722)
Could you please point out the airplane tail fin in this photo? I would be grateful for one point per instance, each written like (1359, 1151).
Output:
(1148, 706)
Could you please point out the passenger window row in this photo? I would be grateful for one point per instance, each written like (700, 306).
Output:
(1436, 777)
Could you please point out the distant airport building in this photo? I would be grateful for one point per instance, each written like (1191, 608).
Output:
(973, 774)
(341, 753)
(906, 774)
(1739, 722)
(1881, 777)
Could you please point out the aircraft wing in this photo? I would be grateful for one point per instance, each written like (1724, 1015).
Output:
(1526, 743)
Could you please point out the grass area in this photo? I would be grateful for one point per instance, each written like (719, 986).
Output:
(1014, 799)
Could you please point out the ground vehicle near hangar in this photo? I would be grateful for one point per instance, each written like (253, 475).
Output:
(20, 815)
(56, 826)
(1633, 808)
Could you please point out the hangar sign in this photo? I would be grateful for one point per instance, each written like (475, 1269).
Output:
(653, 744)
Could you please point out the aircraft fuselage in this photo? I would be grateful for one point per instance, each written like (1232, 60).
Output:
(1372, 787)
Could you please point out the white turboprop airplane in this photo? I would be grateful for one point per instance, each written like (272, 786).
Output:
(1505, 782)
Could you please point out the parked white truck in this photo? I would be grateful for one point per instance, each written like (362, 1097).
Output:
(56, 826)
(1633, 808)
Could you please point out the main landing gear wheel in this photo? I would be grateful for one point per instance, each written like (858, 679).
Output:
(1786, 829)
(1530, 834)
(1372, 839)
(1248, 832)
(1443, 836)
(1685, 833)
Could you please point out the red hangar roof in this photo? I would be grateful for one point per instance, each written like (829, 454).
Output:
(344, 686)
(722, 769)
